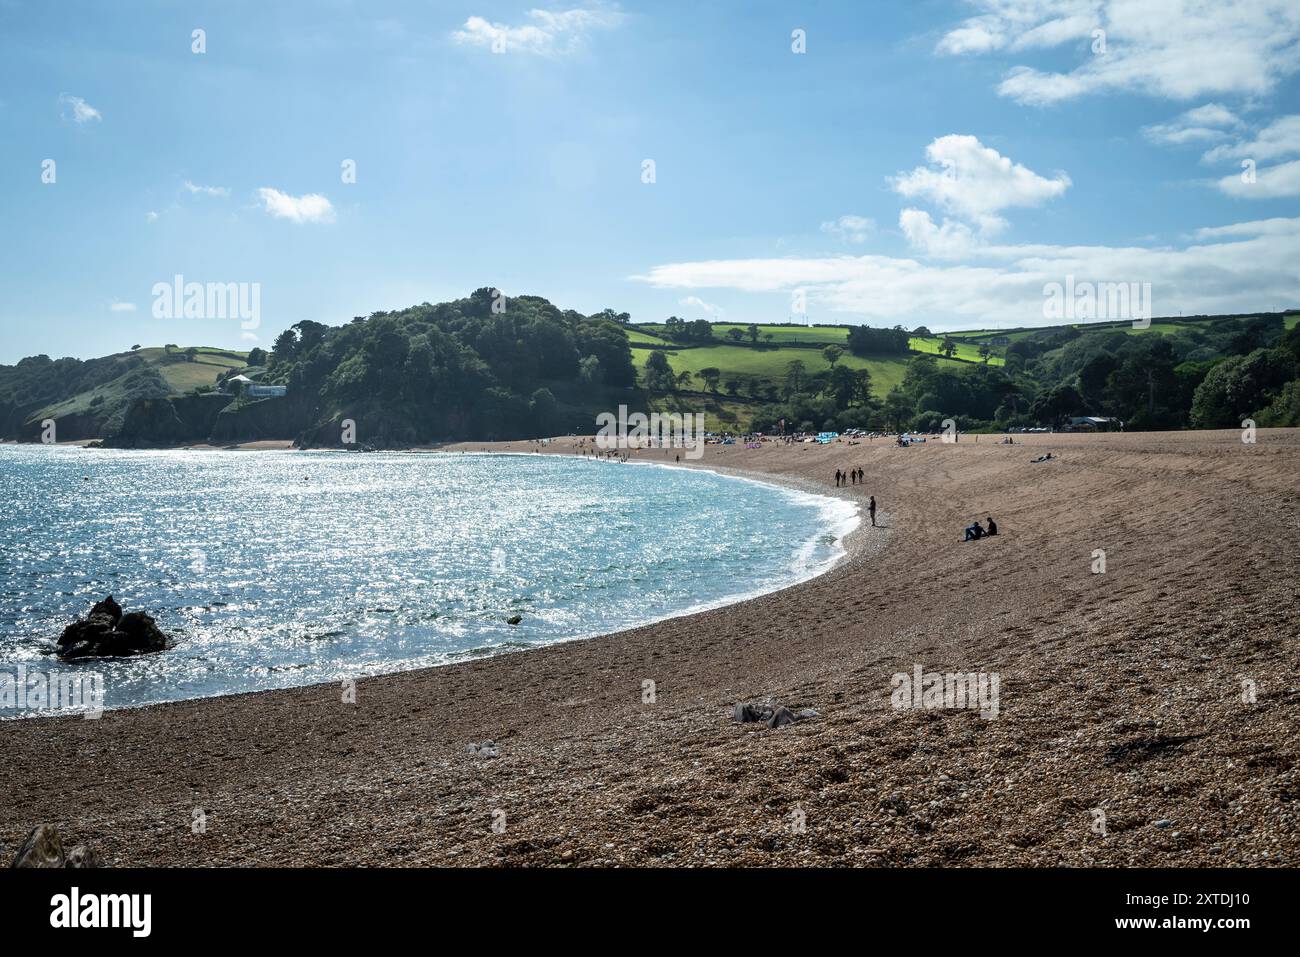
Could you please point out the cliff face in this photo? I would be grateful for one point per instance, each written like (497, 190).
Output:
(271, 418)
(175, 420)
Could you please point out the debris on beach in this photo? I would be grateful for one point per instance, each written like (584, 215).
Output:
(108, 633)
(776, 716)
(44, 849)
(514, 619)
(486, 749)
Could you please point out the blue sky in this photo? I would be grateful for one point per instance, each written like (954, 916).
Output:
(927, 162)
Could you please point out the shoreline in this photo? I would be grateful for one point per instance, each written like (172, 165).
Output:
(1119, 692)
(849, 542)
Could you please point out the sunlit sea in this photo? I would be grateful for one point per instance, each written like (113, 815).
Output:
(275, 569)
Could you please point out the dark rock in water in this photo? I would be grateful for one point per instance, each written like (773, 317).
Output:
(514, 619)
(44, 849)
(108, 607)
(107, 633)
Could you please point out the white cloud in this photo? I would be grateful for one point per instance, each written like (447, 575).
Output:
(1022, 25)
(1280, 138)
(116, 306)
(974, 183)
(151, 216)
(207, 190)
(695, 302)
(1235, 268)
(952, 240)
(1204, 124)
(851, 229)
(310, 208)
(1177, 49)
(249, 336)
(1271, 182)
(550, 33)
(78, 110)
(1277, 226)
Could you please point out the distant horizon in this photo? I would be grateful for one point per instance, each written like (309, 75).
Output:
(244, 350)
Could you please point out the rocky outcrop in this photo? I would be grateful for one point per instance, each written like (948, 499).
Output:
(160, 422)
(44, 849)
(108, 633)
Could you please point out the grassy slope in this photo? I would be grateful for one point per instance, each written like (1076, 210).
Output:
(181, 376)
(788, 335)
(771, 364)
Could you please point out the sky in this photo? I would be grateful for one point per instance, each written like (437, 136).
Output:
(922, 163)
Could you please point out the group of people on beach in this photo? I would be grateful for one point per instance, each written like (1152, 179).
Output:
(852, 475)
(856, 476)
(977, 531)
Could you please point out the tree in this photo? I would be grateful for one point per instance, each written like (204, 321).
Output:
(948, 348)
(985, 353)
(711, 375)
(658, 373)
(794, 375)
(684, 380)
(191, 354)
(1239, 387)
(1056, 404)
(832, 354)
(256, 357)
(589, 370)
(753, 333)
(866, 341)
(735, 335)
(898, 408)
(733, 385)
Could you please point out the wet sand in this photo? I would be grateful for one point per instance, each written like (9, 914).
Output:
(1121, 698)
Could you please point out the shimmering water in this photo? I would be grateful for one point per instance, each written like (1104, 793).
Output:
(272, 569)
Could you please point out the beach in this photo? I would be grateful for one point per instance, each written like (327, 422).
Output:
(1147, 713)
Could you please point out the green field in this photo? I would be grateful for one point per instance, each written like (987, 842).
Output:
(781, 334)
(180, 374)
(965, 350)
(184, 376)
(770, 364)
(793, 335)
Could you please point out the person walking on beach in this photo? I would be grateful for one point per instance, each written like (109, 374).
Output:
(838, 476)
(871, 510)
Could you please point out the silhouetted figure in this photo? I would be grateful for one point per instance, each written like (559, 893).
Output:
(993, 527)
(974, 532)
(871, 510)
